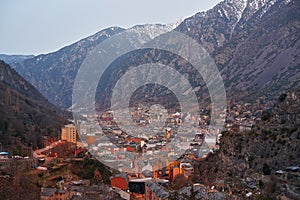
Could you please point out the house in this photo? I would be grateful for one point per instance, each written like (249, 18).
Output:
(77, 190)
(62, 194)
(48, 194)
(186, 168)
(153, 191)
(174, 171)
(120, 181)
(4, 155)
(54, 194)
(292, 168)
(280, 172)
(198, 188)
(138, 185)
(215, 195)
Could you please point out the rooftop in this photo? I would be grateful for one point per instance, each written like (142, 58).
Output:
(158, 190)
(48, 192)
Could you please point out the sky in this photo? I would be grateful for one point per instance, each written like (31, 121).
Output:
(36, 26)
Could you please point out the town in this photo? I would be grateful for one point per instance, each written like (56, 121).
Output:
(143, 166)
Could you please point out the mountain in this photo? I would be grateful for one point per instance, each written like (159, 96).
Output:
(53, 74)
(255, 44)
(272, 145)
(9, 59)
(25, 115)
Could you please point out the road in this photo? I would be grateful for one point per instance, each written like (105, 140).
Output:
(38, 153)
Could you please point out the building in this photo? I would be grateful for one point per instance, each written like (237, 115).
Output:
(119, 181)
(48, 193)
(69, 133)
(137, 186)
(4, 155)
(174, 171)
(186, 168)
(62, 194)
(154, 191)
(54, 194)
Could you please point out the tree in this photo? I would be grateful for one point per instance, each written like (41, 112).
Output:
(261, 184)
(266, 169)
(180, 181)
(5, 127)
(265, 115)
(282, 97)
(97, 176)
(173, 195)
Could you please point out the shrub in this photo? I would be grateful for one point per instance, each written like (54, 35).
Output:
(266, 169)
(261, 184)
(282, 97)
(265, 115)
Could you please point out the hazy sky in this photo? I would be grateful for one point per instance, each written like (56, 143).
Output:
(36, 26)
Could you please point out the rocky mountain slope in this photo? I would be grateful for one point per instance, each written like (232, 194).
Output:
(272, 145)
(25, 115)
(255, 44)
(256, 53)
(54, 74)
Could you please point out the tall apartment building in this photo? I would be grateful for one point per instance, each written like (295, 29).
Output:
(69, 133)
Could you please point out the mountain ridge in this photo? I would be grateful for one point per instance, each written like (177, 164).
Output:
(9, 59)
(62, 65)
(229, 32)
(254, 47)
